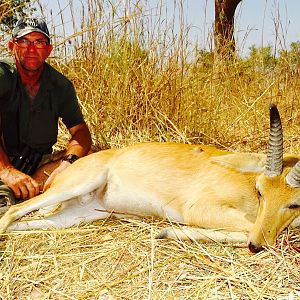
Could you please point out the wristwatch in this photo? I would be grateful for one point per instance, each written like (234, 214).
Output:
(70, 158)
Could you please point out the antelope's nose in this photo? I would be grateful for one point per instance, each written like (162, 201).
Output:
(254, 248)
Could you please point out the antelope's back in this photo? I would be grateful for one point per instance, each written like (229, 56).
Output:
(175, 173)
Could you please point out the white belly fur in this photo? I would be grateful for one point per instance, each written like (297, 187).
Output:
(124, 199)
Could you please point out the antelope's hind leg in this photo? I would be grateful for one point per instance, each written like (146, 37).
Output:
(19, 210)
(64, 188)
(73, 212)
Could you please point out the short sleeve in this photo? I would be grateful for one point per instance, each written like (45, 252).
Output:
(70, 111)
(6, 83)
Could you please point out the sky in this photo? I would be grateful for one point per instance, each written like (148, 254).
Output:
(258, 22)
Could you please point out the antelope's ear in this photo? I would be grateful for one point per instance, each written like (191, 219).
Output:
(243, 162)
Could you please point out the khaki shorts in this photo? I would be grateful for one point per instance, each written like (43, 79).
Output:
(46, 158)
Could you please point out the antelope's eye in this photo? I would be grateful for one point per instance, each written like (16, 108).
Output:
(294, 206)
(258, 193)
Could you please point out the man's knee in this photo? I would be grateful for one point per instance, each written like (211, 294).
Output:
(7, 196)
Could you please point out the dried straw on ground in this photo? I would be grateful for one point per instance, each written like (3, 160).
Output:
(121, 259)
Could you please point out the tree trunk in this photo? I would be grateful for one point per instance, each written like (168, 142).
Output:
(224, 28)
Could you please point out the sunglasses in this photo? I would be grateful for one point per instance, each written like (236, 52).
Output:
(24, 43)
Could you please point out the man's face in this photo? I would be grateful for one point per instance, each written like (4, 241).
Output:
(31, 50)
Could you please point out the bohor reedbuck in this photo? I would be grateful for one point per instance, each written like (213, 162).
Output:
(215, 195)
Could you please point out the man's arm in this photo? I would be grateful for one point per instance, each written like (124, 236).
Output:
(22, 185)
(80, 142)
(79, 145)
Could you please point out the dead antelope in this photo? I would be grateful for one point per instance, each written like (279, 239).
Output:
(220, 195)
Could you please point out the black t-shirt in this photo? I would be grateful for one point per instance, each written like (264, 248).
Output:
(36, 124)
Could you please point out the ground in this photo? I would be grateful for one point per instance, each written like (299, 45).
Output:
(121, 259)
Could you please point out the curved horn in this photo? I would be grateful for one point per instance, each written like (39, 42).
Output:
(274, 160)
(293, 177)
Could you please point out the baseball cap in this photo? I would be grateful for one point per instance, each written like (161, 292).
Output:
(27, 25)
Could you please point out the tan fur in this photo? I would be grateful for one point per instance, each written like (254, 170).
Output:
(212, 190)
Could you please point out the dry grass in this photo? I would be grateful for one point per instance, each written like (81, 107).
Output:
(121, 260)
(136, 83)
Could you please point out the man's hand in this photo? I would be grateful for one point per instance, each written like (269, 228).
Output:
(63, 165)
(79, 144)
(23, 186)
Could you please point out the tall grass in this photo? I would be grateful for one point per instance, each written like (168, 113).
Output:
(139, 79)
